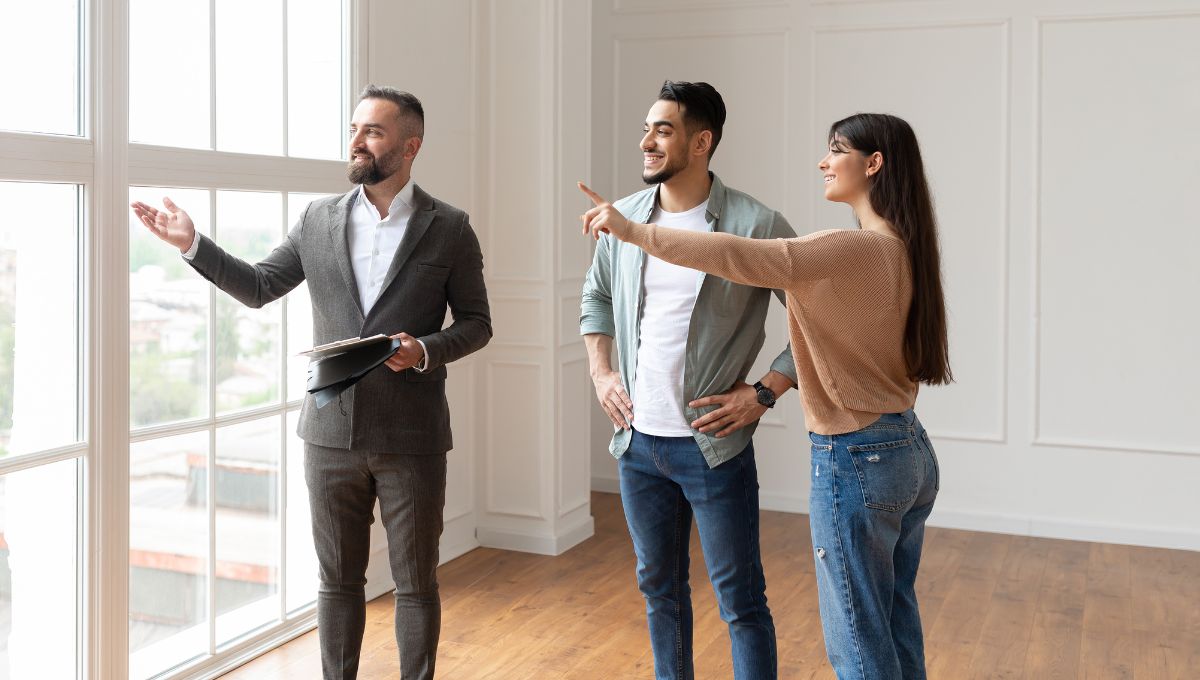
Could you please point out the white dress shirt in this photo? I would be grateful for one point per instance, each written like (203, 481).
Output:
(372, 242)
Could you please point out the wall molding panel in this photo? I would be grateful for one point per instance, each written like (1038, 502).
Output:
(983, 84)
(1066, 407)
(537, 117)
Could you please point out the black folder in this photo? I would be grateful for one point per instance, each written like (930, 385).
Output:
(339, 365)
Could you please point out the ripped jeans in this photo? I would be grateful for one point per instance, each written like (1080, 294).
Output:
(872, 491)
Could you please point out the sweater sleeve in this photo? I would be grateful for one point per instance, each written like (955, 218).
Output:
(765, 263)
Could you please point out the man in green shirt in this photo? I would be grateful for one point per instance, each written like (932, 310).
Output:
(682, 411)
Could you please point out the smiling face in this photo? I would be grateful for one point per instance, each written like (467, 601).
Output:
(378, 144)
(845, 172)
(665, 144)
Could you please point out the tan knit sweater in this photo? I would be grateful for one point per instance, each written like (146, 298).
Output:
(848, 293)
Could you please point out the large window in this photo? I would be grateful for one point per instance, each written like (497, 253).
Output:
(43, 440)
(42, 412)
(215, 553)
(236, 109)
(41, 48)
(220, 542)
(249, 76)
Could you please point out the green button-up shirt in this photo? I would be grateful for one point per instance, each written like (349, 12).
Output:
(726, 330)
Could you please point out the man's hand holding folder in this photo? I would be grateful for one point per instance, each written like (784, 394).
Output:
(338, 365)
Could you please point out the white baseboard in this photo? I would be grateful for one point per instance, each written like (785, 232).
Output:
(997, 523)
(1071, 530)
(458, 538)
(541, 544)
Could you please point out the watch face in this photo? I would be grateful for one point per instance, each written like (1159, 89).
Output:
(765, 397)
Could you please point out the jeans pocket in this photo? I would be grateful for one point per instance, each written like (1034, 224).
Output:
(887, 473)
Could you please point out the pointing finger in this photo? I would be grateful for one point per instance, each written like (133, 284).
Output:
(591, 194)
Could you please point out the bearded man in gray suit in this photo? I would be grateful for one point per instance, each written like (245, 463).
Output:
(385, 257)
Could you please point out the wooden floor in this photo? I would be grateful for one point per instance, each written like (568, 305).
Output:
(993, 606)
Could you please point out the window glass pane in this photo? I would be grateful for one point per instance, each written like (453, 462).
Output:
(247, 526)
(39, 572)
(39, 47)
(247, 340)
(168, 318)
(299, 321)
(169, 73)
(250, 76)
(168, 552)
(39, 310)
(301, 557)
(315, 96)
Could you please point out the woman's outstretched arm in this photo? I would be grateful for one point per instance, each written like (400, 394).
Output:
(765, 263)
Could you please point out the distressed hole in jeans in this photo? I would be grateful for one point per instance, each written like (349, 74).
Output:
(873, 458)
(820, 553)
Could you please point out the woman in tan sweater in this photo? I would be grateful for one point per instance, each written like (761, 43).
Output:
(867, 324)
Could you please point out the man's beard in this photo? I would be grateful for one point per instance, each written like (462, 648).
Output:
(668, 171)
(373, 170)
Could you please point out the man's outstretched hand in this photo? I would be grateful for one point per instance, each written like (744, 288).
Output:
(171, 224)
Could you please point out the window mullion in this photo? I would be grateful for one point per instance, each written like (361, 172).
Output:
(284, 76)
(281, 479)
(107, 238)
(211, 476)
(212, 74)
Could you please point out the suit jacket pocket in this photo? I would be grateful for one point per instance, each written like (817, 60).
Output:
(433, 272)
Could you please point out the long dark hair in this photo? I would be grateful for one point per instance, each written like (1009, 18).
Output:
(900, 195)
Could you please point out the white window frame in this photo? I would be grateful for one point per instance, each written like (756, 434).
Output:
(104, 163)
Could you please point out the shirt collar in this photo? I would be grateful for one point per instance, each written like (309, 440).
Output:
(716, 201)
(403, 198)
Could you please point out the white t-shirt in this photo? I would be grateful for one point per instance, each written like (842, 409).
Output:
(670, 294)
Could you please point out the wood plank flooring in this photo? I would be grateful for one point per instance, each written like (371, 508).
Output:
(993, 606)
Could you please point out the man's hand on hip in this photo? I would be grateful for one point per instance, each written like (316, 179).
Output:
(410, 353)
(613, 398)
(738, 408)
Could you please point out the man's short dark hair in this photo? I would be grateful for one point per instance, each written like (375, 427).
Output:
(411, 115)
(703, 108)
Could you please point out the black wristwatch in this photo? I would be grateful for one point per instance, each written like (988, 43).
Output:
(766, 396)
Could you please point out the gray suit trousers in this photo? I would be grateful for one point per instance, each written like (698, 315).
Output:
(342, 488)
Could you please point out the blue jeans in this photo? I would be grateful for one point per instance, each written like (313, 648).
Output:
(872, 491)
(664, 482)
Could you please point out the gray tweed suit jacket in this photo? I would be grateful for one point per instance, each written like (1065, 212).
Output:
(438, 264)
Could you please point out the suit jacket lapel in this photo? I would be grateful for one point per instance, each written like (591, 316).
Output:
(339, 218)
(418, 224)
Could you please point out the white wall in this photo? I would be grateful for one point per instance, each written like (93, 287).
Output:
(403, 38)
(1059, 139)
(505, 86)
(533, 486)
